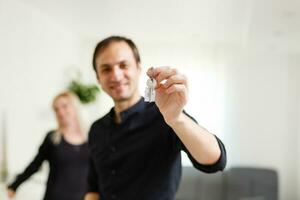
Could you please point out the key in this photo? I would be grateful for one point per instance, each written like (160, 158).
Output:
(150, 90)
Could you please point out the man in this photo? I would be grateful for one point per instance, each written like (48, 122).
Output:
(135, 148)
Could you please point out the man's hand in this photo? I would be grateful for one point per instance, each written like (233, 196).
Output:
(171, 92)
(91, 196)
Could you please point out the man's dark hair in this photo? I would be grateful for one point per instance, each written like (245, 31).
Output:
(104, 43)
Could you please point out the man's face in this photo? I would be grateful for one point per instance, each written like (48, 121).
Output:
(117, 71)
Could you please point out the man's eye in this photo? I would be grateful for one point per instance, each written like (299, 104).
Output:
(105, 70)
(123, 65)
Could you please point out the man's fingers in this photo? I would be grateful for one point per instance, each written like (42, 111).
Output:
(165, 74)
(176, 88)
(161, 73)
(175, 79)
(150, 72)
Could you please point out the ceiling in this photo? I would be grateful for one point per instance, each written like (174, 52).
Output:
(215, 21)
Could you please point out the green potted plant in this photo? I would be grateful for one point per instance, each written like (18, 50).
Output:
(87, 93)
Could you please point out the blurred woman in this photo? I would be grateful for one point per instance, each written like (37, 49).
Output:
(66, 151)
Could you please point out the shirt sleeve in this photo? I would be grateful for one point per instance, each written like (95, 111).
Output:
(35, 164)
(92, 178)
(218, 166)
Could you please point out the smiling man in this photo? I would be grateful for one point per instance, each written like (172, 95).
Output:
(135, 148)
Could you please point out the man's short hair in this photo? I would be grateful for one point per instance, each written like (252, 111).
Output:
(105, 43)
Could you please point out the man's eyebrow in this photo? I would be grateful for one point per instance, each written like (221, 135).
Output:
(109, 65)
(105, 65)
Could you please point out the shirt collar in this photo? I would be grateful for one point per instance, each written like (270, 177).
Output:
(137, 107)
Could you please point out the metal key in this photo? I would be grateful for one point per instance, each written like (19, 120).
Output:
(150, 90)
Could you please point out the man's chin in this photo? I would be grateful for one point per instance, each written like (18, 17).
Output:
(121, 99)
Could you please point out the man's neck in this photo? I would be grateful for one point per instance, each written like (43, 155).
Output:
(124, 105)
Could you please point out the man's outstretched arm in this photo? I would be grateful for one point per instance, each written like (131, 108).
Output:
(171, 97)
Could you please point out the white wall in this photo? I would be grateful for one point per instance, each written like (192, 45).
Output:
(261, 126)
(295, 77)
(35, 55)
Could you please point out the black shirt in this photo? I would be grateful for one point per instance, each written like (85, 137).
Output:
(138, 158)
(68, 169)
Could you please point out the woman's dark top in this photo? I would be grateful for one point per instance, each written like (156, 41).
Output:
(68, 169)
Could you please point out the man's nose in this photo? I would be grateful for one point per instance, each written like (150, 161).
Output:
(116, 74)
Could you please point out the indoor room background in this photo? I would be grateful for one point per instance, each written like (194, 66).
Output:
(242, 59)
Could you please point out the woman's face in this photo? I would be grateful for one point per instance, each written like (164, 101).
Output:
(64, 110)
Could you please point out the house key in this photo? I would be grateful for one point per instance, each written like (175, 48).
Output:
(150, 90)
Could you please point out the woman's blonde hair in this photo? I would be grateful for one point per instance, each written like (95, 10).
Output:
(73, 99)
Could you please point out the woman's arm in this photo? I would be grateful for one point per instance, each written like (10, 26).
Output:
(34, 166)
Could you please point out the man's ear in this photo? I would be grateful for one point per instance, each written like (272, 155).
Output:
(139, 67)
(97, 77)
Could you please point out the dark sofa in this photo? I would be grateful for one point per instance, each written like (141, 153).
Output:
(237, 183)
